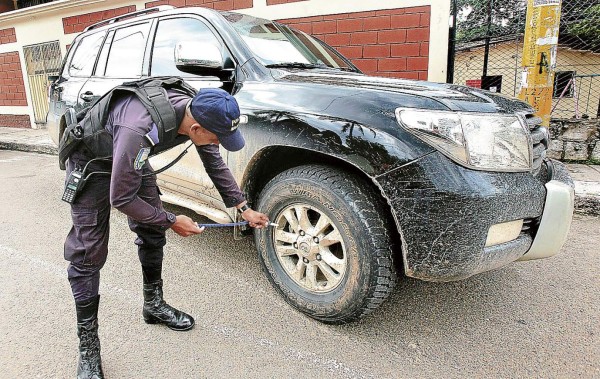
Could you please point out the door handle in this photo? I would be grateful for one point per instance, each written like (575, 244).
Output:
(87, 96)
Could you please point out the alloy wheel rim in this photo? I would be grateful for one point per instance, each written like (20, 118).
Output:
(310, 248)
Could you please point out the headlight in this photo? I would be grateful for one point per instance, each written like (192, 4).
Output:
(491, 142)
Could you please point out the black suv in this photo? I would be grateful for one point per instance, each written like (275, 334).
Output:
(364, 176)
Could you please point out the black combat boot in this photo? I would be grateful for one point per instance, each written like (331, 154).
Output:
(90, 364)
(156, 311)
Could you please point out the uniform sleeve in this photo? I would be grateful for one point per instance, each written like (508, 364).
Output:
(129, 156)
(220, 175)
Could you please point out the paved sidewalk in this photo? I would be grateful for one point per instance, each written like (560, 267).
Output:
(587, 188)
(33, 140)
(586, 177)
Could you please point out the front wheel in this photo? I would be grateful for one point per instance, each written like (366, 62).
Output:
(331, 254)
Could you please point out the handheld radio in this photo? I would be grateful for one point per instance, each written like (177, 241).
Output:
(75, 183)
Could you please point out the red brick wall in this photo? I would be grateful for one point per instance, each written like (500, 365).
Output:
(275, 2)
(7, 36)
(222, 5)
(12, 87)
(76, 24)
(6, 6)
(392, 43)
(15, 121)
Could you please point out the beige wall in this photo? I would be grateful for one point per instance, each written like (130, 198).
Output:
(505, 60)
(43, 23)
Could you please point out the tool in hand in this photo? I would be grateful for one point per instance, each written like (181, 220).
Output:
(230, 224)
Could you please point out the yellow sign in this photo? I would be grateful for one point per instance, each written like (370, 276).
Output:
(539, 55)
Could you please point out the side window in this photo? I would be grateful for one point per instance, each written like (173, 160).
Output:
(101, 66)
(171, 31)
(84, 57)
(126, 52)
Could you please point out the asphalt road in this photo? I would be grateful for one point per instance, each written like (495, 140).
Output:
(532, 319)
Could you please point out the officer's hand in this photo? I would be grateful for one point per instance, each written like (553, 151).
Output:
(255, 219)
(185, 226)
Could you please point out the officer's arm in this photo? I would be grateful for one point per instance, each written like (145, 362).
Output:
(225, 183)
(220, 175)
(129, 157)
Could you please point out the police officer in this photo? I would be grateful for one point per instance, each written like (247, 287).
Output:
(208, 119)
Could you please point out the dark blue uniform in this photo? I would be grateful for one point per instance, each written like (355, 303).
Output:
(130, 190)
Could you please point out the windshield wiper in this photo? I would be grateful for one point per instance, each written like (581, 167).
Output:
(296, 65)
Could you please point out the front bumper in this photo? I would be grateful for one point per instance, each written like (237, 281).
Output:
(444, 211)
(556, 220)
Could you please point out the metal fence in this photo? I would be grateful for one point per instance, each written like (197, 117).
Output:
(41, 60)
(487, 47)
(19, 4)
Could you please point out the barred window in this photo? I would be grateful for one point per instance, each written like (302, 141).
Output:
(563, 84)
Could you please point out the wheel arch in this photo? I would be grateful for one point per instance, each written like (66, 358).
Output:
(273, 160)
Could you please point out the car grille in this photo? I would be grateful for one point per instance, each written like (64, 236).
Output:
(539, 139)
(530, 226)
(528, 223)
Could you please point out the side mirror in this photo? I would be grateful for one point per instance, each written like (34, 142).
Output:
(193, 56)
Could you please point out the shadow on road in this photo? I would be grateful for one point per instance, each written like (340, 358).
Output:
(415, 307)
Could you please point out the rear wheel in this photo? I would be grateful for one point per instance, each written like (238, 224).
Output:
(331, 254)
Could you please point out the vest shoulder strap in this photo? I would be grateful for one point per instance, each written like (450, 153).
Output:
(152, 92)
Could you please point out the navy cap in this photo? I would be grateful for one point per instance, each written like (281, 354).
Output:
(218, 112)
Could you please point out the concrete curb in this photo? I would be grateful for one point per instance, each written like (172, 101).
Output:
(32, 148)
(587, 205)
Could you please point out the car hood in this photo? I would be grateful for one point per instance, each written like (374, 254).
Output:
(425, 95)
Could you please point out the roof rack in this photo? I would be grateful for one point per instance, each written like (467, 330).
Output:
(143, 12)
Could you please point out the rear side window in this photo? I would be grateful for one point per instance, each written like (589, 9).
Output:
(170, 32)
(126, 52)
(84, 58)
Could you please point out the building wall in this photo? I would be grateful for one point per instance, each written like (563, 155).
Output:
(12, 88)
(505, 60)
(391, 43)
(392, 38)
(6, 6)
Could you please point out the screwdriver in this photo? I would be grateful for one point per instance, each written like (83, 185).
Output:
(230, 224)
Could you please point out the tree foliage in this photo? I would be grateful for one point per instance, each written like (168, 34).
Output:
(582, 29)
(580, 21)
(473, 20)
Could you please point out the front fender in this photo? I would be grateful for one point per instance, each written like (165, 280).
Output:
(367, 148)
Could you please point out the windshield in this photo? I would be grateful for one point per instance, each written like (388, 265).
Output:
(277, 45)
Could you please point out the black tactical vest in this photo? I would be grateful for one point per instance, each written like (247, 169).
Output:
(88, 134)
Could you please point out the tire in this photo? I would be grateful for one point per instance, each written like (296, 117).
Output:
(348, 271)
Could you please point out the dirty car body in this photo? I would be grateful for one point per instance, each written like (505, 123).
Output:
(443, 211)
(454, 209)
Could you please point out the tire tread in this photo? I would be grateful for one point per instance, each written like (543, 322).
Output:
(365, 201)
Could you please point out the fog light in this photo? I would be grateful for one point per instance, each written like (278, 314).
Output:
(501, 233)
